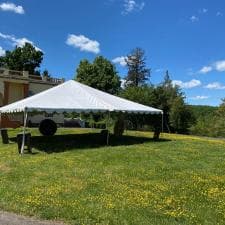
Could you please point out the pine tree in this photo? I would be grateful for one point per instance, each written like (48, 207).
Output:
(138, 74)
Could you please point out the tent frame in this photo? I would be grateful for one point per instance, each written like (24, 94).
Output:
(25, 115)
(107, 127)
(25, 125)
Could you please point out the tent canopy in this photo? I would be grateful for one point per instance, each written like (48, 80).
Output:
(73, 96)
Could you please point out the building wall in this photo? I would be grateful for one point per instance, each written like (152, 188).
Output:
(1, 99)
(1, 86)
(16, 92)
(1, 92)
(14, 87)
(35, 88)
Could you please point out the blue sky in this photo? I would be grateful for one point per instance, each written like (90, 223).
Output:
(186, 37)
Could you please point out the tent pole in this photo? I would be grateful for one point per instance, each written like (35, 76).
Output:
(162, 122)
(24, 131)
(107, 141)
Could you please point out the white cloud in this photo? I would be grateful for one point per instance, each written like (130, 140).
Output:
(190, 84)
(194, 19)
(20, 42)
(123, 82)
(120, 60)
(83, 43)
(2, 51)
(219, 14)
(205, 69)
(159, 70)
(215, 85)
(200, 97)
(6, 6)
(132, 5)
(203, 11)
(220, 65)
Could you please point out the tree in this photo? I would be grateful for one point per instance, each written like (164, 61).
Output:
(218, 125)
(203, 119)
(137, 71)
(180, 116)
(100, 74)
(177, 116)
(142, 95)
(22, 58)
(45, 73)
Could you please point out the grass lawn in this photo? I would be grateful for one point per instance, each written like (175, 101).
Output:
(74, 178)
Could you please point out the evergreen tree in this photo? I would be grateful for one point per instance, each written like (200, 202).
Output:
(138, 74)
(180, 116)
(45, 73)
(170, 99)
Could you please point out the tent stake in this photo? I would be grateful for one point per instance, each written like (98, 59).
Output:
(24, 131)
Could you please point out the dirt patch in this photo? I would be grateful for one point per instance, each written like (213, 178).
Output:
(4, 168)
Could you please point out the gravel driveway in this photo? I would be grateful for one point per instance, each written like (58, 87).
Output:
(13, 219)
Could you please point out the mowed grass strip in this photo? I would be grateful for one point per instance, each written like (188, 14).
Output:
(75, 178)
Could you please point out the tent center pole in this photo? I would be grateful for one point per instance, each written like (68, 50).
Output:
(24, 131)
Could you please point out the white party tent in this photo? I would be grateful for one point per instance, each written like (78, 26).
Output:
(73, 96)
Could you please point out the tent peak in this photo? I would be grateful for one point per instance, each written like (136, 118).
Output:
(72, 96)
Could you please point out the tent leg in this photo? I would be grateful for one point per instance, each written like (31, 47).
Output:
(162, 124)
(107, 141)
(24, 131)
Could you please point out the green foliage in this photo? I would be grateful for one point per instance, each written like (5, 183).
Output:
(209, 121)
(101, 74)
(180, 116)
(119, 125)
(219, 121)
(25, 58)
(204, 119)
(165, 96)
(45, 73)
(138, 74)
(200, 111)
(143, 95)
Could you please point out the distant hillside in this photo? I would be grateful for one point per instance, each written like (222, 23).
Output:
(204, 121)
(202, 111)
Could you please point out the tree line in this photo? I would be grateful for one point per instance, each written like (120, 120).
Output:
(209, 120)
(102, 74)
(178, 117)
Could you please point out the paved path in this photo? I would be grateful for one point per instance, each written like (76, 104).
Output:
(13, 219)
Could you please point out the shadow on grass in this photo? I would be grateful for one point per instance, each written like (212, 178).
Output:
(68, 142)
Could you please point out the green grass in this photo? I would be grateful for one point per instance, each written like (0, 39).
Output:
(75, 178)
